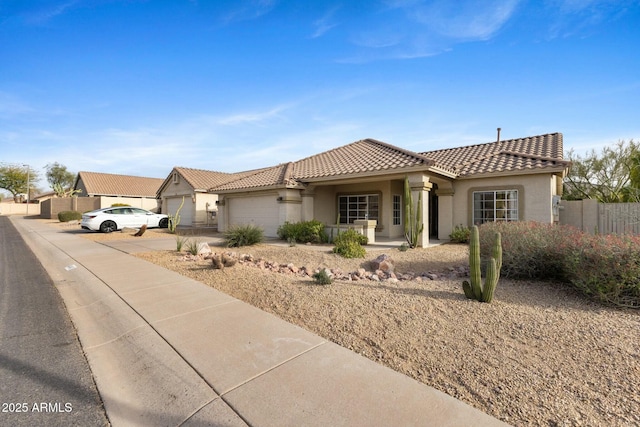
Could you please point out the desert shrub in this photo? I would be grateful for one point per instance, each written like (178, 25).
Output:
(349, 244)
(192, 246)
(302, 232)
(322, 277)
(115, 205)
(530, 250)
(606, 268)
(66, 216)
(460, 234)
(243, 235)
(180, 242)
(351, 234)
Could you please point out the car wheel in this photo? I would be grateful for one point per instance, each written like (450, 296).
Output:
(108, 227)
(164, 223)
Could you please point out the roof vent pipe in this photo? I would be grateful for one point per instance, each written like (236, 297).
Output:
(499, 129)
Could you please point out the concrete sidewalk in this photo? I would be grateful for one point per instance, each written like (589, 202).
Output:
(167, 350)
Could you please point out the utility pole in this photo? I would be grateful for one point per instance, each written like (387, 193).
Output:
(28, 200)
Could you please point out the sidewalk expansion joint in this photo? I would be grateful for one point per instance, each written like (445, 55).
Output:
(271, 369)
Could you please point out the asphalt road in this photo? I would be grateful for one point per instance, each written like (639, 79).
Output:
(44, 376)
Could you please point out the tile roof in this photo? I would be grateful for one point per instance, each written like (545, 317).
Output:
(275, 176)
(522, 154)
(106, 184)
(361, 157)
(201, 179)
(364, 156)
(369, 156)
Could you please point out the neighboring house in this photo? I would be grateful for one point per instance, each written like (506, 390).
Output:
(136, 191)
(191, 185)
(510, 180)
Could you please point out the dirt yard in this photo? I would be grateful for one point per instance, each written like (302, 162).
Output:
(538, 355)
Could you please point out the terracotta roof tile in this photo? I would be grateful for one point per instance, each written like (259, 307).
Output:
(535, 152)
(279, 175)
(106, 184)
(363, 156)
(369, 156)
(201, 179)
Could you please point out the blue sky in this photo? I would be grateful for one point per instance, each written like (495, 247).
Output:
(138, 87)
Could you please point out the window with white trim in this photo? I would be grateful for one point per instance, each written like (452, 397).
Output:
(500, 205)
(361, 206)
(397, 209)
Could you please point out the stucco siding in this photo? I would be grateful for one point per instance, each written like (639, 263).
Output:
(535, 196)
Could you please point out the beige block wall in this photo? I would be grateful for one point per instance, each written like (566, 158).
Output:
(535, 202)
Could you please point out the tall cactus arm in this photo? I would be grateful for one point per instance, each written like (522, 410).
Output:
(490, 282)
(474, 263)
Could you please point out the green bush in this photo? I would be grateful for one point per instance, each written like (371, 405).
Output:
(351, 234)
(115, 205)
(243, 235)
(606, 268)
(349, 244)
(302, 232)
(66, 216)
(322, 277)
(460, 234)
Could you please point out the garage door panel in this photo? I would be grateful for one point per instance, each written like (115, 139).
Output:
(186, 213)
(262, 211)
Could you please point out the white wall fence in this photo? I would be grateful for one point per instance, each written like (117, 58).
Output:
(603, 218)
(19, 209)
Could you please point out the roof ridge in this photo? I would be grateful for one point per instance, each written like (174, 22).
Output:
(430, 162)
(532, 156)
(247, 174)
(502, 141)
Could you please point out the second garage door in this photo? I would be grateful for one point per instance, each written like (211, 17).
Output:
(186, 213)
(262, 211)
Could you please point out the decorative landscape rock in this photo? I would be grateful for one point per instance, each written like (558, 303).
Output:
(383, 262)
(384, 273)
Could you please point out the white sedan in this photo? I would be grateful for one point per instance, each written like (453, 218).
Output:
(111, 219)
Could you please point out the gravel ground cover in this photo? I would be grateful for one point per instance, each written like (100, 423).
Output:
(540, 354)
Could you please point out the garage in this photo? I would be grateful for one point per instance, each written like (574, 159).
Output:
(186, 213)
(262, 211)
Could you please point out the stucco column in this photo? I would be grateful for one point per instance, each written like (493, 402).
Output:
(223, 214)
(420, 185)
(290, 204)
(445, 212)
(307, 196)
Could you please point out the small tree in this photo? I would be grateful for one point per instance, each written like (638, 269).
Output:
(611, 176)
(16, 179)
(60, 179)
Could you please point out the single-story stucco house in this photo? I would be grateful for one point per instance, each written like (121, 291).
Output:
(111, 188)
(517, 179)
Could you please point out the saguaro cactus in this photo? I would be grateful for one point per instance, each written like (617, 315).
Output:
(475, 289)
(413, 224)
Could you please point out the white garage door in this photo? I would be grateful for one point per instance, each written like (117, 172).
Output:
(261, 211)
(186, 213)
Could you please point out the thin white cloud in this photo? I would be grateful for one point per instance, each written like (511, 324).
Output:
(249, 9)
(464, 20)
(408, 29)
(325, 23)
